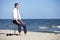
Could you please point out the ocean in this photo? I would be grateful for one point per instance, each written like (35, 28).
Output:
(35, 25)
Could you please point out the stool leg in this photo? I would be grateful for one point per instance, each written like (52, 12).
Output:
(14, 30)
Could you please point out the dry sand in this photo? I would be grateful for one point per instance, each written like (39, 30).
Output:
(29, 36)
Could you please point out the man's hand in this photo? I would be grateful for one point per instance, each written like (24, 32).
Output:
(21, 21)
(17, 21)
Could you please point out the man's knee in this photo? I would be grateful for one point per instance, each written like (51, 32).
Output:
(24, 25)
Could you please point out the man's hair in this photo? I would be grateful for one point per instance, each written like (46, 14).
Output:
(15, 4)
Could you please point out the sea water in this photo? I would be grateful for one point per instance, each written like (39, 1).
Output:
(36, 25)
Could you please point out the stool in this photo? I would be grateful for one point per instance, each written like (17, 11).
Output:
(14, 27)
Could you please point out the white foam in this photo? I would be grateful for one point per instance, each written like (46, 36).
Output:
(56, 31)
(56, 26)
(42, 27)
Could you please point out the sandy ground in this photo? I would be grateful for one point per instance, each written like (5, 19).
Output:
(29, 36)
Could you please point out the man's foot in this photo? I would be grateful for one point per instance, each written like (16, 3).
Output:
(25, 33)
(19, 34)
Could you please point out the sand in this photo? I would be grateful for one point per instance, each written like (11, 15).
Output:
(29, 36)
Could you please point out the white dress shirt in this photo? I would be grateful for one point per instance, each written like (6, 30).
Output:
(16, 14)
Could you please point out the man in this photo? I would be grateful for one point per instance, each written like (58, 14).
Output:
(17, 19)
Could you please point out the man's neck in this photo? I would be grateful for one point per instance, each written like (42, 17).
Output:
(16, 8)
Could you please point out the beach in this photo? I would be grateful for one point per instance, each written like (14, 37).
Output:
(28, 36)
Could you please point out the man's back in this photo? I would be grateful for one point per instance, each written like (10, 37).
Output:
(16, 14)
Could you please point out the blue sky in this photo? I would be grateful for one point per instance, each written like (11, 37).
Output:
(31, 9)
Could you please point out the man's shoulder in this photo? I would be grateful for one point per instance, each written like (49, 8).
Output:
(14, 9)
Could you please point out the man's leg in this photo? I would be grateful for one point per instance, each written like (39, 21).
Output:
(24, 28)
(19, 29)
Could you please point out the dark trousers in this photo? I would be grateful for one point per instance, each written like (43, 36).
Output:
(20, 25)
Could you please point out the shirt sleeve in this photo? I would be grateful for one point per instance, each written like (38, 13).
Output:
(19, 15)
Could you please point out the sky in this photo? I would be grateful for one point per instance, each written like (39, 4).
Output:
(31, 9)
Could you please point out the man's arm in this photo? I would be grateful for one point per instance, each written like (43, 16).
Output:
(19, 22)
(19, 17)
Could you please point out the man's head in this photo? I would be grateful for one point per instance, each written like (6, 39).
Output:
(16, 5)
